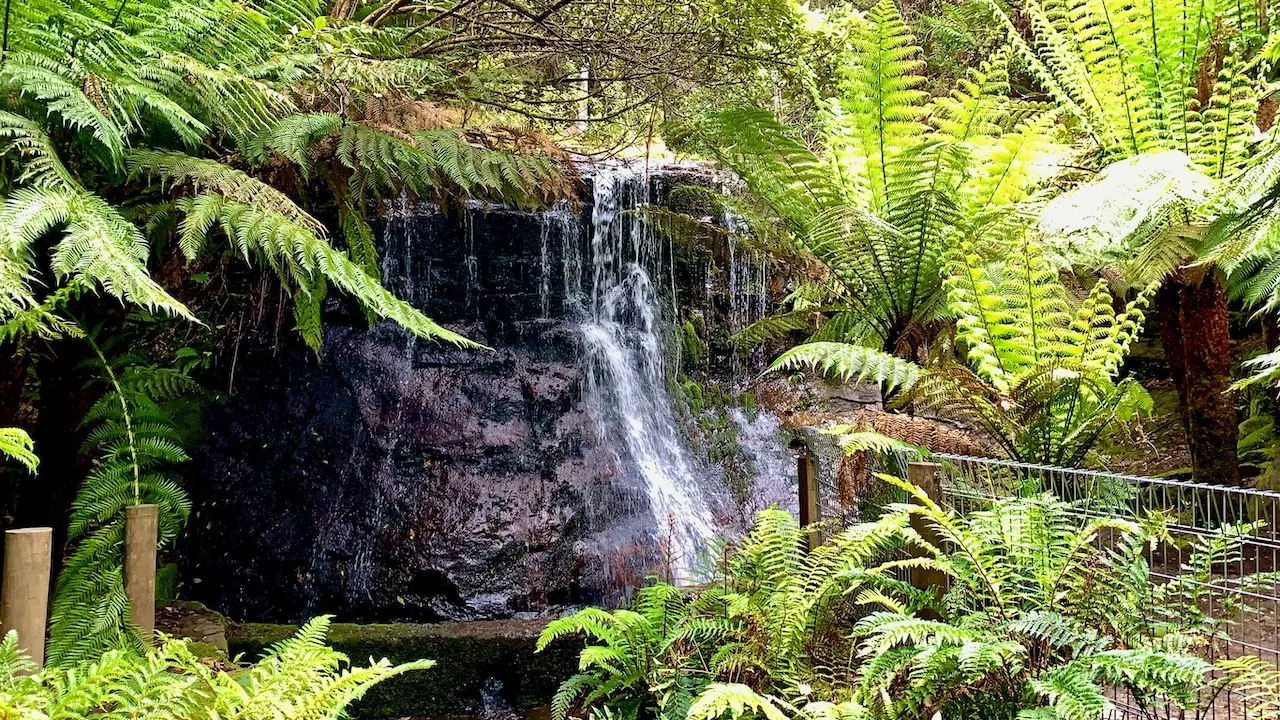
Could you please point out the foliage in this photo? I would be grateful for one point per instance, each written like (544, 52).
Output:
(854, 440)
(16, 444)
(1146, 78)
(135, 447)
(1258, 683)
(1023, 619)
(1042, 379)
(764, 620)
(898, 180)
(615, 83)
(298, 679)
(1020, 630)
(119, 117)
(957, 36)
(1195, 602)
(737, 700)
(1173, 93)
(623, 666)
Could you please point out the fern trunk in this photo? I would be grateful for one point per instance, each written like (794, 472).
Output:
(343, 9)
(1195, 333)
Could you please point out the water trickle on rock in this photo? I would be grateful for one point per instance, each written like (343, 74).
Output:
(760, 435)
(493, 702)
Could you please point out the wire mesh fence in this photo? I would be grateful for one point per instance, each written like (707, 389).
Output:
(1234, 593)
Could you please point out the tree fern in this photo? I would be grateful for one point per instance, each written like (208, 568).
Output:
(296, 252)
(895, 180)
(1169, 91)
(98, 246)
(135, 447)
(170, 169)
(1043, 369)
(170, 99)
(851, 362)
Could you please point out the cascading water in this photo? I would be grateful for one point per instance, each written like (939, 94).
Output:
(390, 478)
(625, 368)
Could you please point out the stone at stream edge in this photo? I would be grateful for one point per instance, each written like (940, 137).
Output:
(469, 656)
(205, 628)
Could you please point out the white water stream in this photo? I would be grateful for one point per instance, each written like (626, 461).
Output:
(625, 366)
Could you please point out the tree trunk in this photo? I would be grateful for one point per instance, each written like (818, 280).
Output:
(13, 380)
(343, 9)
(1195, 333)
(1270, 330)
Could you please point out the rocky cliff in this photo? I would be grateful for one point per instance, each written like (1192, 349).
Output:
(390, 478)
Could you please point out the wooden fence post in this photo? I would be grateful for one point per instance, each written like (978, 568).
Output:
(141, 533)
(24, 602)
(807, 471)
(925, 476)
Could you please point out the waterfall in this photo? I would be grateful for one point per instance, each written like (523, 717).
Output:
(625, 365)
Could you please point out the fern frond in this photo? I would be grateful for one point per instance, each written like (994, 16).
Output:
(16, 444)
(850, 362)
(213, 177)
(295, 251)
(737, 701)
(98, 246)
(135, 447)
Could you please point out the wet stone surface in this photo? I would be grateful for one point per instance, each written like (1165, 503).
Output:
(395, 479)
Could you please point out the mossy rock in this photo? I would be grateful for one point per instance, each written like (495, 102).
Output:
(206, 651)
(468, 655)
(207, 629)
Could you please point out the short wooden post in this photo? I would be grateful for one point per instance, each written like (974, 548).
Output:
(24, 601)
(807, 471)
(925, 477)
(141, 533)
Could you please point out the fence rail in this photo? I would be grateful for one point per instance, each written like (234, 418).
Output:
(1238, 591)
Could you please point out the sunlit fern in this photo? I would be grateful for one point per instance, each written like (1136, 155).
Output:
(297, 679)
(896, 180)
(16, 444)
(1042, 379)
(1170, 91)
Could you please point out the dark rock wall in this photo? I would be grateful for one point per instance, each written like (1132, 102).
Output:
(391, 478)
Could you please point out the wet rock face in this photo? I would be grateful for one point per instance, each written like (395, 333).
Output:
(395, 479)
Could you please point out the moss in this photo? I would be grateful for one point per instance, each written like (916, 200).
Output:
(695, 350)
(166, 583)
(466, 654)
(693, 394)
(206, 650)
